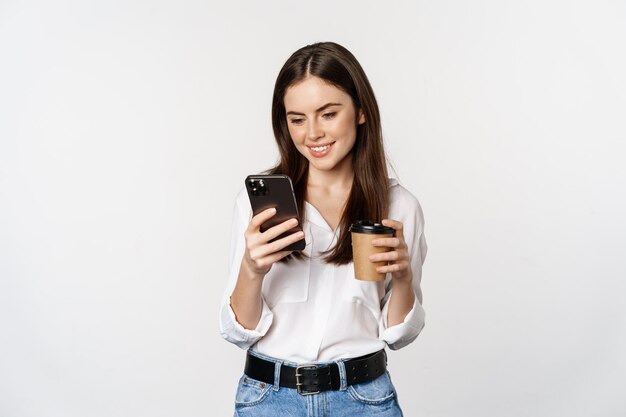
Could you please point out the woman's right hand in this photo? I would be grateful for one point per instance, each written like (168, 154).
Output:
(260, 255)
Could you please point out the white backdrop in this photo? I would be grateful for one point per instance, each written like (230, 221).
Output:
(127, 128)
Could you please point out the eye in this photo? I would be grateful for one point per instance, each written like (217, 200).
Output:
(330, 115)
(296, 121)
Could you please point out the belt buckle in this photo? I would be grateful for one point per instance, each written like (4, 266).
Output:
(299, 384)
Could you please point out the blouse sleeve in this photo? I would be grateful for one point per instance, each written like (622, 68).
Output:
(402, 334)
(230, 328)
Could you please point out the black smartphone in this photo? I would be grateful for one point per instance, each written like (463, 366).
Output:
(275, 191)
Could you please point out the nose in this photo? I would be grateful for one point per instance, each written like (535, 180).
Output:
(314, 131)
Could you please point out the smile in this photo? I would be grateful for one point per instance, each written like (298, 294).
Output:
(320, 150)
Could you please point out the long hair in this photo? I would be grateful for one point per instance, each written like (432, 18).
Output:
(369, 197)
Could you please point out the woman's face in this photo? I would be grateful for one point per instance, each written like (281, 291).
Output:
(322, 122)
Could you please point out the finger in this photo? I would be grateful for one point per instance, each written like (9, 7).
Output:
(396, 225)
(265, 263)
(385, 257)
(396, 267)
(279, 229)
(275, 257)
(279, 244)
(391, 242)
(261, 218)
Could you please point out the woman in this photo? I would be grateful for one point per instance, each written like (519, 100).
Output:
(315, 335)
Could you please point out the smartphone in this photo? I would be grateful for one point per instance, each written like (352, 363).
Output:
(275, 191)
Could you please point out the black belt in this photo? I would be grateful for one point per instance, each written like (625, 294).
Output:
(311, 379)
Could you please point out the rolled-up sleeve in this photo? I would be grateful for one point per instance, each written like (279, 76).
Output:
(402, 334)
(230, 328)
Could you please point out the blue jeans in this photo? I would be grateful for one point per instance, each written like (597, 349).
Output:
(374, 398)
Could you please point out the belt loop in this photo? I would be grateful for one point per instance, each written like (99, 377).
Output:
(277, 367)
(343, 380)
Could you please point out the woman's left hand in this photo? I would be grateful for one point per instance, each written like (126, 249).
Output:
(398, 256)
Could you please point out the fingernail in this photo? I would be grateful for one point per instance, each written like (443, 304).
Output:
(293, 221)
(272, 210)
(371, 258)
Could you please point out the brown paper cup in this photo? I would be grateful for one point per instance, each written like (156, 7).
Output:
(363, 233)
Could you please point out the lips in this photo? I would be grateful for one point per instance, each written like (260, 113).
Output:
(319, 151)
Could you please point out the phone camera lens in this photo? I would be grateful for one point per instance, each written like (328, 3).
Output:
(257, 187)
(253, 187)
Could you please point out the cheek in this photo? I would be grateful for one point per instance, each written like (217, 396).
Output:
(347, 130)
(346, 126)
(295, 133)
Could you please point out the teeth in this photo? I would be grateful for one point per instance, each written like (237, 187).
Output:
(321, 148)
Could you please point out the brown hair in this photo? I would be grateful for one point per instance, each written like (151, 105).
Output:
(336, 65)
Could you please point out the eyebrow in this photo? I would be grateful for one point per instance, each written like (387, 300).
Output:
(324, 107)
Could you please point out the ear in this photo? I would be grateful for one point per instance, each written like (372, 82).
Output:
(361, 117)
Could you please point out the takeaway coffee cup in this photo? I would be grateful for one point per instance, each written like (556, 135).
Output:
(363, 232)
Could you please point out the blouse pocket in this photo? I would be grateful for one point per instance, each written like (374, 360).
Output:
(367, 293)
(287, 282)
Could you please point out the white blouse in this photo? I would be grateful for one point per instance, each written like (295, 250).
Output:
(318, 312)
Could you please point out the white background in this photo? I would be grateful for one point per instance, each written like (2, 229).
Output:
(127, 128)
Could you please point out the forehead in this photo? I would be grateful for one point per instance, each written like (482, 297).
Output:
(312, 93)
